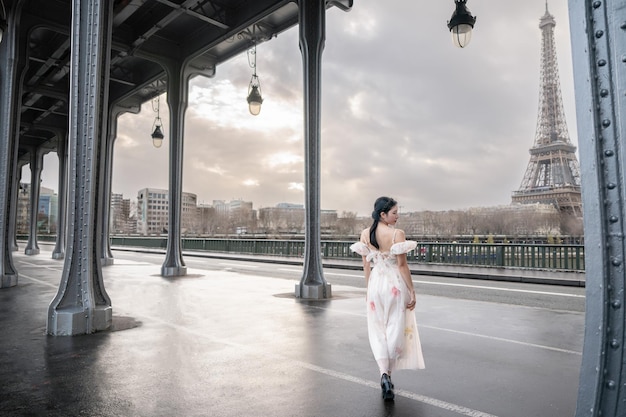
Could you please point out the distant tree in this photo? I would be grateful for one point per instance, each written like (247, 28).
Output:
(347, 223)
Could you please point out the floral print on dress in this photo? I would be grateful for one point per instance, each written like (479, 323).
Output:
(408, 332)
(372, 306)
(395, 291)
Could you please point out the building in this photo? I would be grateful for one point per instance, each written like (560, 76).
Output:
(153, 211)
(119, 215)
(47, 208)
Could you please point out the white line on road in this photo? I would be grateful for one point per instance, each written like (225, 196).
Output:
(53, 268)
(468, 412)
(49, 284)
(239, 265)
(501, 339)
(483, 336)
(403, 393)
(336, 274)
(484, 287)
(254, 350)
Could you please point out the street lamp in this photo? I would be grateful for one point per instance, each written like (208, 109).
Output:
(254, 89)
(157, 134)
(461, 24)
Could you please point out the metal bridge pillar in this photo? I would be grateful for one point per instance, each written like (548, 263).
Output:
(14, 206)
(106, 256)
(312, 16)
(12, 65)
(36, 166)
(598, 31)
(59, 247)
(82, 305)
(177, 92)
(114, 112)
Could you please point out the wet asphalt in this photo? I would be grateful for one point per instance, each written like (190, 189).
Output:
(222, 343)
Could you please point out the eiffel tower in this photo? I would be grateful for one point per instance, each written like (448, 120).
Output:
(553, 173)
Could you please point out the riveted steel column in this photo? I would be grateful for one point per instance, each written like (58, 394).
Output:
(105, 162)
(59, 247)
(14, 206)
(82, 305)
(598, 30)
(36, 166)
(106, 256)
(177, 89)
(114, 112)
(312, 16)
(12, 64)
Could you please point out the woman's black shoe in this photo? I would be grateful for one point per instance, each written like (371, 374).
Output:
(387, 387)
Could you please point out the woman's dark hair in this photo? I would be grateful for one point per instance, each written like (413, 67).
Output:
(382, 205)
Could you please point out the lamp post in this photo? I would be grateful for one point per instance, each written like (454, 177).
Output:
(157, 134)
(461, 24)
(254, 89)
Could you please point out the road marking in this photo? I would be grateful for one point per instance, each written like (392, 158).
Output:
(127, 262)
(501, 339)
(336, 274)
(458, 409)
(483, 336)
(254, 350)
(49, 284)
(52, 268)
(239, 265)
(484, 287)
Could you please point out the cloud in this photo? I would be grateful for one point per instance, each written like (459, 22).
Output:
(404, 113)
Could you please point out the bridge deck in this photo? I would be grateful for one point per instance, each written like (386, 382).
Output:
(220, 343)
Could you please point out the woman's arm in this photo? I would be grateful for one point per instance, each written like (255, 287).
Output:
(405, 272)
(367, 268)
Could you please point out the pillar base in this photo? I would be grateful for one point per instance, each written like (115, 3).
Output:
(107, 261)
(31, 251)
(173, 271)
(314, 292)
(8, 280)
(58, 255)
(72, 321)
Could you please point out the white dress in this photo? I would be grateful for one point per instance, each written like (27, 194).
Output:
(392, 327)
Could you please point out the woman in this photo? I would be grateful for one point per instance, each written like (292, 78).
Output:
(390, 298)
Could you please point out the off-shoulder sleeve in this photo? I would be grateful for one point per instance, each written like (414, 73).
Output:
(360, 248)
(403, 247)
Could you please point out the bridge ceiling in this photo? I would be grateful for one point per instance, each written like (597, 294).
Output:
(203, 33)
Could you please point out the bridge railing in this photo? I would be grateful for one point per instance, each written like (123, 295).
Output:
(530, 256)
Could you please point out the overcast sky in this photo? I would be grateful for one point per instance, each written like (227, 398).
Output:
(404, 113)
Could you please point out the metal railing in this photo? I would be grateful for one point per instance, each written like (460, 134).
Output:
(508, 255)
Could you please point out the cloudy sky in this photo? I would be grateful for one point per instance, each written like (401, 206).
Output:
(404, 113)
